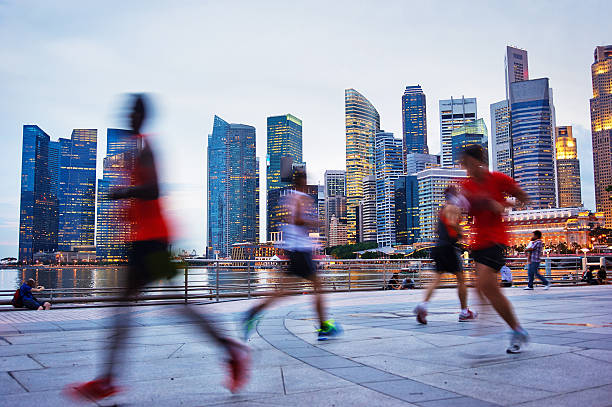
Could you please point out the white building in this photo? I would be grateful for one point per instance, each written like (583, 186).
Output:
(416, 162)
(454, 113)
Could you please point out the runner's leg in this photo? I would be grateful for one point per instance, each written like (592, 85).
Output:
(488, 286)
(432, 286)
(462, 290)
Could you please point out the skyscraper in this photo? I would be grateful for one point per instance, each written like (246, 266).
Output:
(432, 183)
(407, 228)
(38, 212)
(277, 214)
(77, 189)
(601, 129)
(335, 201)
(112, 229)
(414, 120)
(388, 167)
(454, 113)
(335, 182)
(568, 169)
(367, 211)
(517, 68)
(284, 140)
(362, 123)
(473, 133)
(501, 142)
(416, 162)
(532, 126)
(233, 186)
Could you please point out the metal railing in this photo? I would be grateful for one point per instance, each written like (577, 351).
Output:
(221, 280)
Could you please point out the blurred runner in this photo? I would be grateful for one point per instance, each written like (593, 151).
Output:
(299, 246)
(486, 192)
(149, 261)
(447, 255)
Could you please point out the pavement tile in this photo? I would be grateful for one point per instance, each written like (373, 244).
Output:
(50, 398)
(328, 362)
(8, 385)
(304, 378)
(400, 366)
(363, 374)
(604, 355)
(556, 340)
(410, 390)
(596, 344)
(595, 397)
(457, 402)
(22, 362)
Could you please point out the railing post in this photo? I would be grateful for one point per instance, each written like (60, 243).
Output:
(420, 269)
(349, 279)
(186, 270)
(217, 279)
(384, 277)
(249, 281)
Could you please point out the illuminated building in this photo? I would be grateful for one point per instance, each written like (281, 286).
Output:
(233, 186)
(558, 225)
(501, 142)
(254, 251)
(362, 123)
(407, 228)
(335, 182)
(568, 169)
(112, 229)
(454, 113)
(517, 67)
(414, 121)
(532, 127)
(77, 189)
(473, 133)
(277, 210)
(416, 162)
(321, 211)
(284, 139)
(367, 211)
(38, 212)
(337, 232)
(335, 198)
(431, 185)
(601, 128)
(388, 167)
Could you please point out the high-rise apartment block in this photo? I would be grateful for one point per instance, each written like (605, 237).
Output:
(454, 113)
(532, 127)
(416, 162)
(388, 167)
(407, 227)
(568, 169)
(233, 186)
(335, 182)
(362, 123)
(414, 120)
(431, 185)
(366, 212)
(601, 129)
(473, 133)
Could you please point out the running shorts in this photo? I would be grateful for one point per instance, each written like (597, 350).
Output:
(301, 264)
(148, 261)
(492, 256)
(447, 259)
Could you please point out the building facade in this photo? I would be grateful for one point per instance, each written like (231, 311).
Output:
(568, 169)
(517, 67)
(278, 212)
(601, 129)
(284, 139)
(334, 200)
(39, 206)
(431, 185)
(454, 113)
(335, 182)
(337, 232)
(473, 133)
(233, 186)
(388, 167)
(416, 162)
(367, 211)
(362, 123)
(414, 121)
(112, 228)
(500, 154)
(532, 128)
(77, 189)
(407, 227)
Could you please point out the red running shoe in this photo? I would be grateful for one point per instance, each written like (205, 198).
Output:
(239, 362)
(421, 314)
(94, 390)
(470, 316)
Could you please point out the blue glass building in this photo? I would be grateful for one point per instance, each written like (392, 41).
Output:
(473, 133)
(284, 139)
(38, 212)
(388, 167)
(414, 120)
(77, 189)
(532, 126)
(112, 230)
(233, 187)
(407, 226)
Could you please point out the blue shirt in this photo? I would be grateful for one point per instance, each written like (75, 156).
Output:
(26, 292)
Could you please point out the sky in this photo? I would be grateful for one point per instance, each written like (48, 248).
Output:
(68, 64)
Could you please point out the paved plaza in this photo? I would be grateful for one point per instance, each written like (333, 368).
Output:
(384, 357)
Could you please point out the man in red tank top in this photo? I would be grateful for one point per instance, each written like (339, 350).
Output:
(487, 194)
(149, 261)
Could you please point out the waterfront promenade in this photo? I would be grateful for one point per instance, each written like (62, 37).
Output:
(383, 359)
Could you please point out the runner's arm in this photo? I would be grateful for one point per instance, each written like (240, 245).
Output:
(149, 188)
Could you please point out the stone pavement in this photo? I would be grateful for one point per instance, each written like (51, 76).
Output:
(384, 357)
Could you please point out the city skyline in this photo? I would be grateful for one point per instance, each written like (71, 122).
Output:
(185, 114)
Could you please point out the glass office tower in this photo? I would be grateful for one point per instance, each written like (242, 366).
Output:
(414, 121)
(388, 167)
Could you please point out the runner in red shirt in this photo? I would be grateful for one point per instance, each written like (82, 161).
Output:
(487, 193)
(149, 260)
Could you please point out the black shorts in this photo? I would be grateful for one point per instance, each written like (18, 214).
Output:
(301, 265)
(145, 257)
(492, 256)
(447, 259)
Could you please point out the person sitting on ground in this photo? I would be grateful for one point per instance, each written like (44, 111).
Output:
(29, 301)
(393, 283)
(506, 276)
(407, 284)
(602, 275)
(588, 277)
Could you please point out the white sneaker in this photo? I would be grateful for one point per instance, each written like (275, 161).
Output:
(528, 288)
(547, 286)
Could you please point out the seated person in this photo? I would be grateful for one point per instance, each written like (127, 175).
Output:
(407, 284)
(28, 299)
(506, 276)
(393, 283)
(588, 277)
(602, 275)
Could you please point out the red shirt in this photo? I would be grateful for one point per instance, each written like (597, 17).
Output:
(488, 226)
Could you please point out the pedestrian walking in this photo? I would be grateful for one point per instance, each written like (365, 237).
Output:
(534, 255)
